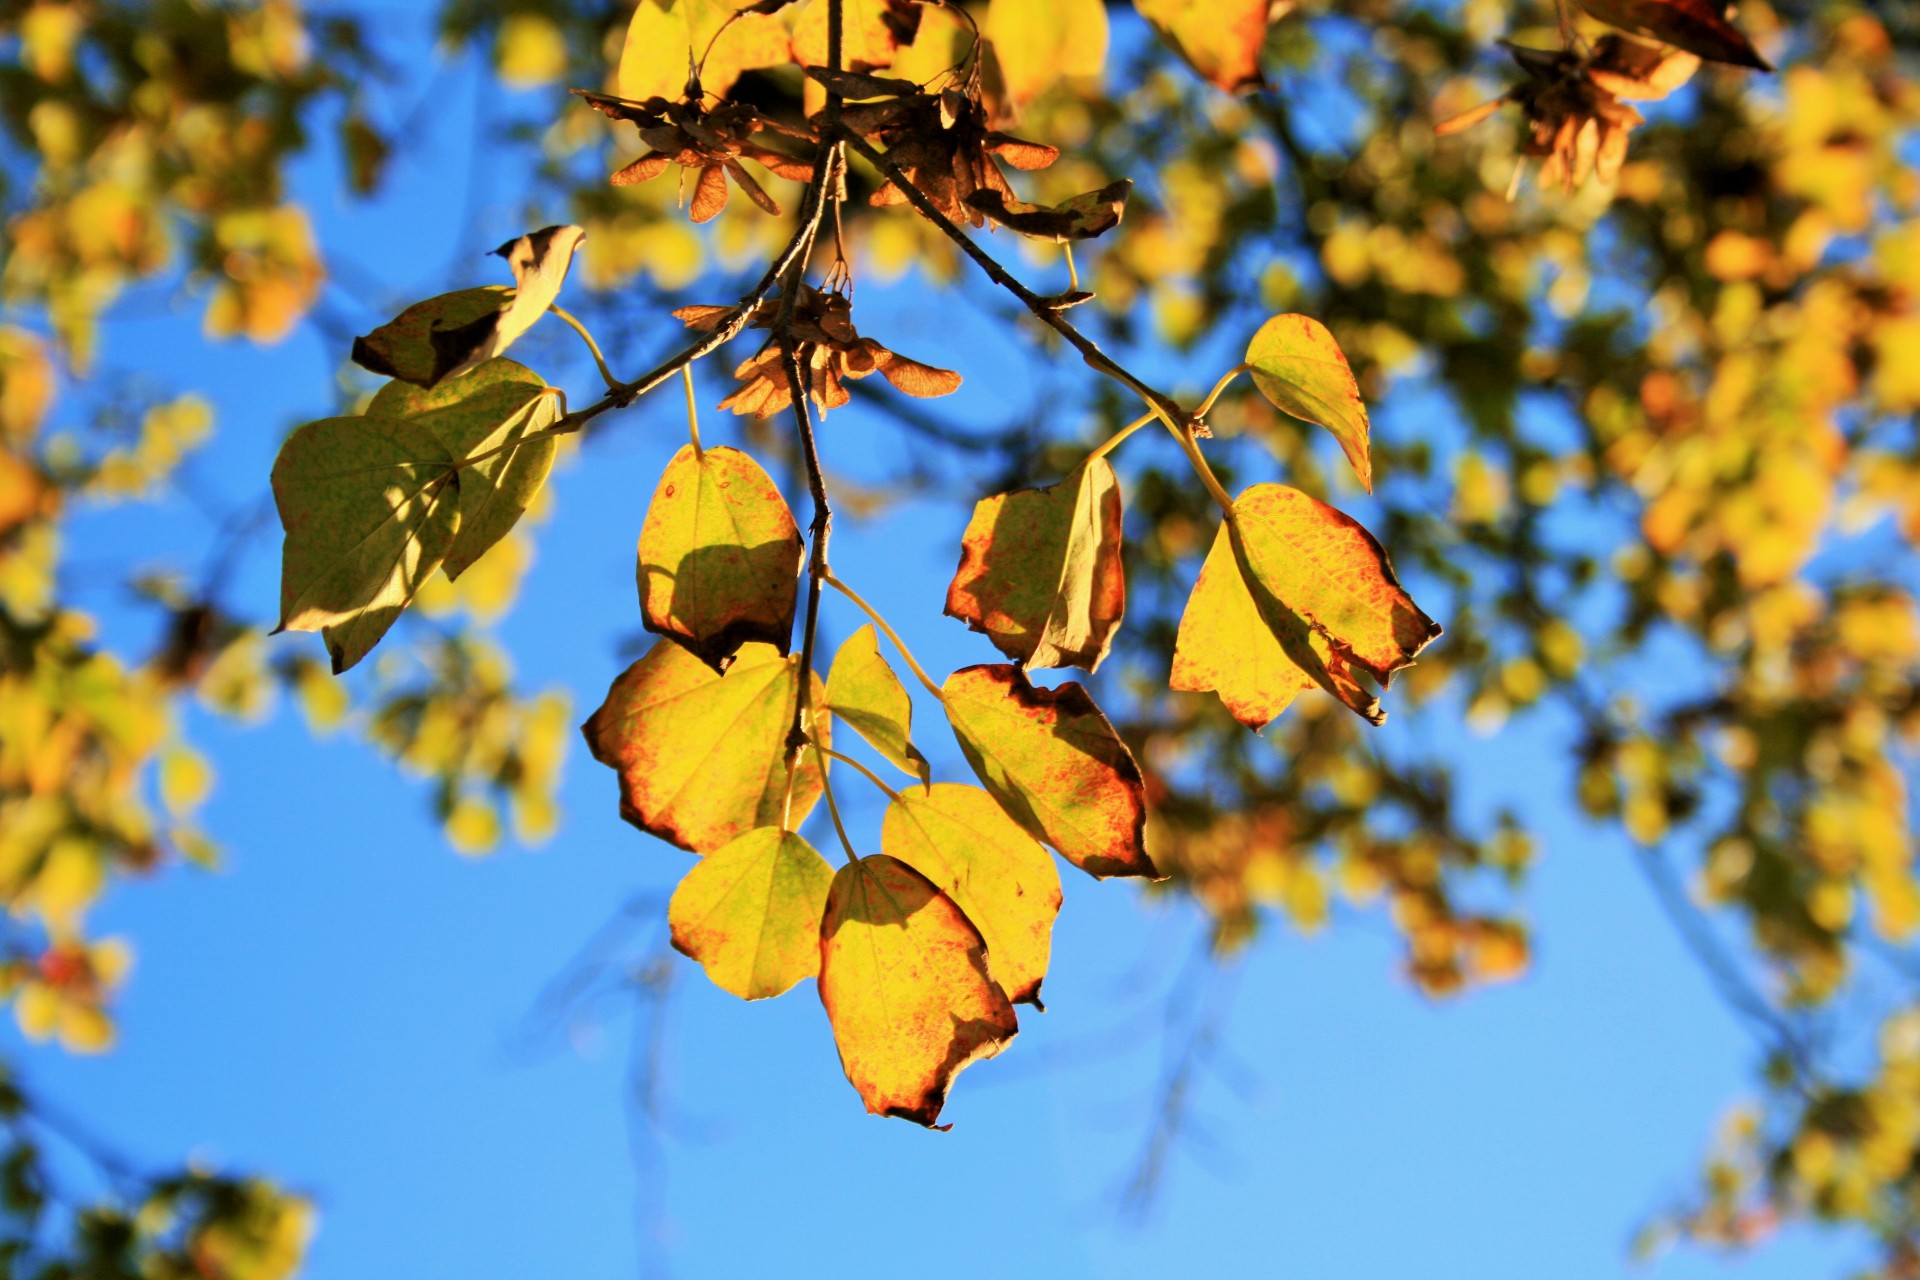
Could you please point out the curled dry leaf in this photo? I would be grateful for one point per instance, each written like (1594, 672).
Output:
(904, 980)
(1698, 26)
(1040, 571)
(1220, 39)
(864, 693)
(1299, 366)
(750, 913)
(1054, 763)
(702, 757)
(707, 142)
(370, 508)
(959, 838)
(719, 556)
(1081, 218)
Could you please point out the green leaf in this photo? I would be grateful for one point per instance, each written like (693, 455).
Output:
(702, 757)
(719, 556)
(429, 339)
(488, 415)
(1297, 364)
(959, 838)
(1040, 571)
(864, 693)
(1055, 765)
(904, 981)
(370, 508)
(750, 913)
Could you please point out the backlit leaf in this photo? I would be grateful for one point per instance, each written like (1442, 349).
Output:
(904, 980)
(1037, 44)
(702, 757)
(750, 913)
(1055, 765)
(1297, 364)
(1220, 39)
(960, 838)
(1226, 646)
(666, 37)
(370, 508)
(864, 693)
(429, 339)
(1698, 26)
(479, 416)
(1081, 218)
(867, 38)
(1040, 571)
(719, 556)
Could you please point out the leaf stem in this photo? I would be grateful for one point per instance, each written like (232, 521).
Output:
(869, 774)
(693, 412)
(606, 374)
(1073, 272)
(892, 635)
(833, 808)
(1226, 380)
(1113, 441)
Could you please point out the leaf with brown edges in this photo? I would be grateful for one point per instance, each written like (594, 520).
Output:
(749, 912)
(904, 980)
(1055, 765)
(702, 757)
(719, 558)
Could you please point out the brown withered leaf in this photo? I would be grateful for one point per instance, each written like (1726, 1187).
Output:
(1698, 26)
(1040, 571)
(1081, 218)
(719, 556)
(1054, 763)
(708, 142)
(702, 757)
(904, 981)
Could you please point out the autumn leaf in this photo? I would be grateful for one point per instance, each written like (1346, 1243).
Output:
(1081, 218)
(1299, 367)
(864, 693)
(1055, 765)
(1040, 571)
(750, 912)
(904, 980)
(702, 757)
(719, 558)
(1698, 26)
(666, 37)
(1226, 646)
(960, 838)
(868, 38)
(1220, 39)
(370, 509)
(1036, 45)
(488, 415)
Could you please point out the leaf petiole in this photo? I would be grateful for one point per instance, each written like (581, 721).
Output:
(1112, 442)
(606, 374)
(869, 774)
(891, 634)
(833, 807)
(1226, 380)
(1191, 448)
(693, 410)
(1073, 272)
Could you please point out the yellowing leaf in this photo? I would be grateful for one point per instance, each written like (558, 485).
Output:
(666, 37)
(903, 977)
(719, 556)
(959, 838)
(424, 342)
(496, 406)
(1038, 42)
(863, 692)
(1055, 765)
(866, 42)
(1297, 364)
(1220, 39)
(1040, 570)
(702, 757)
(370, 509)
(750, 913)
(1226, 646)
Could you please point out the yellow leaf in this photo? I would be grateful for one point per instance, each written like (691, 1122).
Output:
(665, 38)
(530, 50)
(1038, 42)
(1224, 645)
(750, 913)
(1299, 367)
(864, 693)
(1220, 39)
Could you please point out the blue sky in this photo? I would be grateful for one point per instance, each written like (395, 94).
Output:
(345, 1005)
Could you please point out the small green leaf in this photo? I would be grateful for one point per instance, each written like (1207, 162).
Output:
(1297, 364)
(719, 560)
(370, 508)
(750, 913)
(496, 406)
(865, 693)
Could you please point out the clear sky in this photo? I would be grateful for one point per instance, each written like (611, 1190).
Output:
(345, 1006)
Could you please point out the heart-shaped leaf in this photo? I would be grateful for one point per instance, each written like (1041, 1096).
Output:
(959, 838)
(1040, 571)
(863, 692)
(750, 912)
(702, 757)
(1297, 364)
(1055, 765)
(904, 980)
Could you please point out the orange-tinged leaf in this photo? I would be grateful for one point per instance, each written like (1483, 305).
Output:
(1040, 571)
(1297, 364)
(1698, 26)
(904, 979)
(750, 912)
(863, 692)
(1036, 44)
(1220, 39)
(702, 757)
(719, 556)
(1227, 647)
(1055, 765)
(959, 838)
